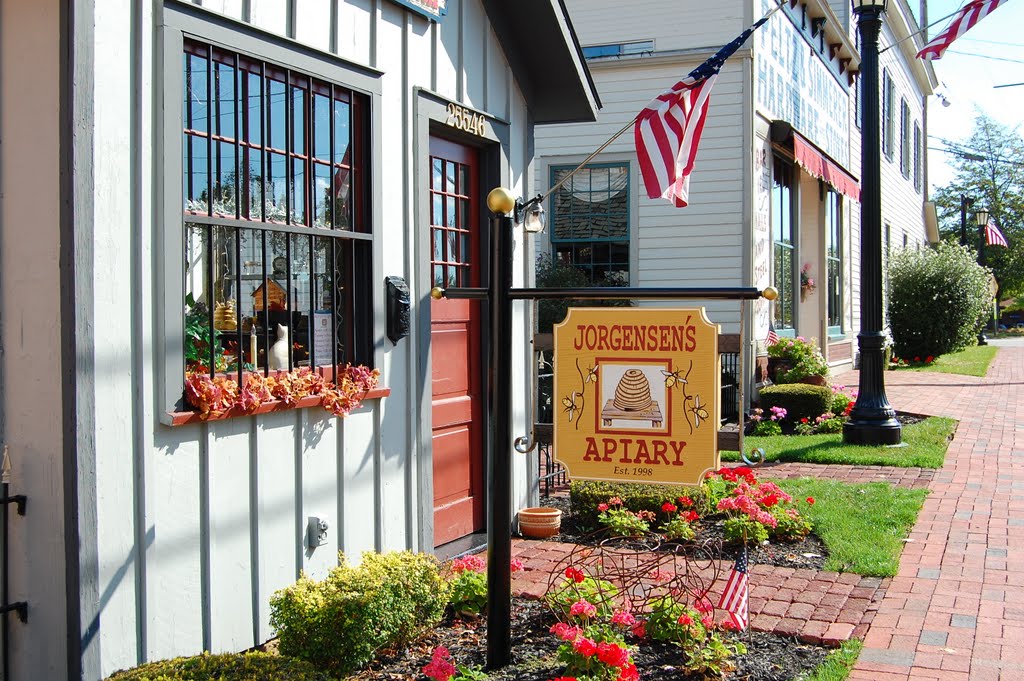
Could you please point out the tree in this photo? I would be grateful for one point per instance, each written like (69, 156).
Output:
(990, 169)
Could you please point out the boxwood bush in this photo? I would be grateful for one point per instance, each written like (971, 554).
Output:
(339, 624)
(937, 300)
(586, 495)
(229, 667)
(798, 399)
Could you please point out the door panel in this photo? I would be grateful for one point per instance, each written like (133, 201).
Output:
(456, 380)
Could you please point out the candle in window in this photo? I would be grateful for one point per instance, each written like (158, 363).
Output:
(252, 346)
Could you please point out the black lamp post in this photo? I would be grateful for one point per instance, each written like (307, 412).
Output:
(981, 219)
(872, 420)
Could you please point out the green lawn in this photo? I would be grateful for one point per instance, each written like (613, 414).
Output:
(862, 525)
(973, 361)
(838, 664)
(926, 442)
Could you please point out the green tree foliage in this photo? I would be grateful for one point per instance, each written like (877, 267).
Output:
(552, 273)
(937, 300)
(989, 169)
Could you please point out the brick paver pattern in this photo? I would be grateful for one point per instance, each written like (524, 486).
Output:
(956, 609)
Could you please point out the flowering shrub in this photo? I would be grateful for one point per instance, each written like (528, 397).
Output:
(803, 357)
(804, 426)
(578, 591)
(755, 509)
(597, 653)
(213, 396)
(622, 522)
(807, 284)
(918, 361)
(842, 403)
(693, 630)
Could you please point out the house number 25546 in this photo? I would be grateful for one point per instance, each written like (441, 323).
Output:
(461, 118)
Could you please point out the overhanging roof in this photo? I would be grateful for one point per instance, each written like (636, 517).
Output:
(540, 44)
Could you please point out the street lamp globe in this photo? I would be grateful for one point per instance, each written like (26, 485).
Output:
(866, 5)
(981, 217)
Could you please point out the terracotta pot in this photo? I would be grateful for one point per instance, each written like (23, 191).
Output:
(539, 523)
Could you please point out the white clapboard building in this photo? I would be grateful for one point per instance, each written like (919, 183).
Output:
(775, 190)
(229, 185)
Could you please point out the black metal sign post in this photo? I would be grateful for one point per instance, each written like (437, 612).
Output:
(499, 294)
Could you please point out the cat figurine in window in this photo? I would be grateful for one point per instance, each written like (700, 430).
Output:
(279, 350)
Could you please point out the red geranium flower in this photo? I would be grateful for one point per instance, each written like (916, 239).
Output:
(668, 507)
(810, 501)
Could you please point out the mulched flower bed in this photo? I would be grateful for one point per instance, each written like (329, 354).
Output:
(768, 657)
(810, 553)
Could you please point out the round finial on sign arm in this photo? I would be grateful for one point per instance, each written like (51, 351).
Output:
(770, 293)
(500, 200)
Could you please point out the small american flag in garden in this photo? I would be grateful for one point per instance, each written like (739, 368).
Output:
(734, 598)
(772, 337)
(972, 13)
(668, 130)
(993, 237)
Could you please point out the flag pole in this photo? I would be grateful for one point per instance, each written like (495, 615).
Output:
(542, 197)
(919, 32)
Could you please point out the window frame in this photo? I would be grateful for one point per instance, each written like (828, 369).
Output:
(787, 294)
(918, 169)
(183, 22)
(905, 138)
(626, 239)
(888, 116)
(834, 285)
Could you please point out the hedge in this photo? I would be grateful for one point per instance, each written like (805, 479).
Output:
(225, 667)
(800, 400)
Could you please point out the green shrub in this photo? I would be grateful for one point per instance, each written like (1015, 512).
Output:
(339, 624)
(229, 667)
(802, 358)
(798, 399)
(937, 300)
(586, 495)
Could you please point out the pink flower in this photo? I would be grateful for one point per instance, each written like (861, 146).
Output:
(602, 507)
(623, 618)
(640, 630)
(584, 646)
(703, 605)
(582, 608)
(566, 632)
(468, 563)
(516, 565)
(612, 654)
(685, 502)
(574, 574)
(690, 516)
(440, 667)
(708, 621)
(615, 501)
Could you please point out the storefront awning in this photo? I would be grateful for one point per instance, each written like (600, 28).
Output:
(815, 161)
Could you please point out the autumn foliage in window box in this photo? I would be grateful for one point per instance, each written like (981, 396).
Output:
(215, 396)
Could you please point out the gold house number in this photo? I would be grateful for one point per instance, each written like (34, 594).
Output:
(461, 118)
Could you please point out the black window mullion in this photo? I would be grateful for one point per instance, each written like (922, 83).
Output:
(288, 148)
(210, 299)
(266, 305)
(332, 201)
(334, 303)
(264, 155)
(289, 292)
(310, 326)
(238, 136)
(240, 351)
(209, 132)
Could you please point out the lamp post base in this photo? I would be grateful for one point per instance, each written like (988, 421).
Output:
(884, 431)
(981, 338)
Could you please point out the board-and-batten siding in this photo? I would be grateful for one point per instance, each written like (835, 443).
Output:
(702, 244)
(196, 526)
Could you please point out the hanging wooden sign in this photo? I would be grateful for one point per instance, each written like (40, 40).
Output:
(637, 395)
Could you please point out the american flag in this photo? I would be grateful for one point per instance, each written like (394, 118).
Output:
(772, 337)
(993, 237)
(668, 130)
(971, 13)
(734, 598)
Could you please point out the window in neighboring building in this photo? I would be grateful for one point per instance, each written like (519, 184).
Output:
(618, 49)
(918, 171)
(277, 223)
(904, 138)
(834, 260)
(590, 220)
(888, 95)
(784, 272)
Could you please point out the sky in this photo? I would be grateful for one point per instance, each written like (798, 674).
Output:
(967, 79)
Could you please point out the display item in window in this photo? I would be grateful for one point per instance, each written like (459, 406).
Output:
(279, 350)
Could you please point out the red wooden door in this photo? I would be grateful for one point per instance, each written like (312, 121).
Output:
(455, 343)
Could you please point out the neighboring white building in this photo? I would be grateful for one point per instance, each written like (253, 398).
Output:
(784, 113)
(168, 169)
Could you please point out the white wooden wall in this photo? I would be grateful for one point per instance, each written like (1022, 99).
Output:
(196, 526)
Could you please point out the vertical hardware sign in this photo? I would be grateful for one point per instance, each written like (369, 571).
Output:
(637, 395)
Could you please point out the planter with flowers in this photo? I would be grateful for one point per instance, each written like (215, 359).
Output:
(807, 284)
(796, 360)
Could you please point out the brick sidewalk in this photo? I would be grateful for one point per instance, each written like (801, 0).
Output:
(955, 611)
